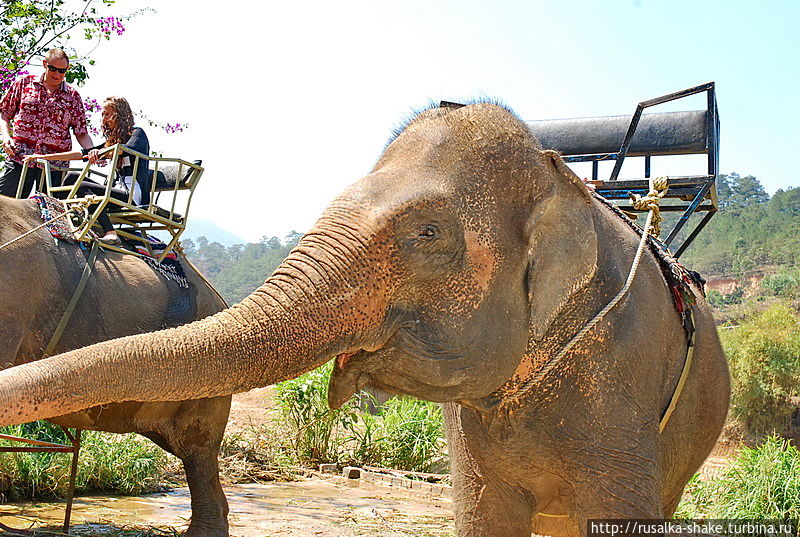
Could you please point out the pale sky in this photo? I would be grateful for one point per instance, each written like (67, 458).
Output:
(289, 102)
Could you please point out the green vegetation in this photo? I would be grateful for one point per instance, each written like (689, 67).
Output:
(762, 482)
(764, 357)
(784, 283)
(405, 434)
(109, 463)
(314, 427)
(718, 300)
(236, 271)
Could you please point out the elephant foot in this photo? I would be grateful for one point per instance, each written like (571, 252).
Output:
(205, 529)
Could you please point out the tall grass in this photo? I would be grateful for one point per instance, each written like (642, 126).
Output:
(405, 434)
(312, 424)
(762, 482)
(125, 464)
(764, 357)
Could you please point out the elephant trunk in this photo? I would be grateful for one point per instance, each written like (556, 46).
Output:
(289, 325)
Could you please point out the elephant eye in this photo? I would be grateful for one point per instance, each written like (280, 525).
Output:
(428, 231)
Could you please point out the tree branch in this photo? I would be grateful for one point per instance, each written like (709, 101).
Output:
(76, 22)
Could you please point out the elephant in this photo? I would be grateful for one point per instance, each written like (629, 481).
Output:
(123, 296)
(454, 271)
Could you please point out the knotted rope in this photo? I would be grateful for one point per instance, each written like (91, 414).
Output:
(649, 202)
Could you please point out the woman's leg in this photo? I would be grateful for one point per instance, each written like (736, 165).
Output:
(90, 187)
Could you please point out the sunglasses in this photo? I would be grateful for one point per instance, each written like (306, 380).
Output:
(57, 69)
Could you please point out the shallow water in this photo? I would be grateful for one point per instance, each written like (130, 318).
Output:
(319, 507)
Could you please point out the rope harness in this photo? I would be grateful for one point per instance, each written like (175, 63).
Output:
(76, 295)
(648, 202)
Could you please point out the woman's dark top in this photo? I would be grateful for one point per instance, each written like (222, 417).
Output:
(138, 142)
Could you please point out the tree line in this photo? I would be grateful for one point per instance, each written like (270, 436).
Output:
(236, 271)
(751, 230)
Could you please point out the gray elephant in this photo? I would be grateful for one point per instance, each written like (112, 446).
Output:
(453, 272)
(123, 296)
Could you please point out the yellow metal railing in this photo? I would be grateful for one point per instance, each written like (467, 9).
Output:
(132, 221)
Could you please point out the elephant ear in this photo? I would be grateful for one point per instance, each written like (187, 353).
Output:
(562, 245)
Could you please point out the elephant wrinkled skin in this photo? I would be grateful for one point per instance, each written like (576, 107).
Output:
(452, 272)
(123, 296)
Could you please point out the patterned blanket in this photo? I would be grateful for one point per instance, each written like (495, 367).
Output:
(60, 228)
(171, 267)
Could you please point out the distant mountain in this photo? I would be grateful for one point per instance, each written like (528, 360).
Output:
(201, 227)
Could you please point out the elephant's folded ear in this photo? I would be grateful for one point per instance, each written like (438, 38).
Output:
(562, 246)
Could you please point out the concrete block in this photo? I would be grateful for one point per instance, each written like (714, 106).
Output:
(351, 472)
(328, 468)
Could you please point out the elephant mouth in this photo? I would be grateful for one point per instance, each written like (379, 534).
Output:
(354, 371)
(342, 359)
(349, 376)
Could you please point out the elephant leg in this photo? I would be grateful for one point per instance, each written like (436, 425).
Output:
(483, 504)
(617, 495)
(485, 509)
(671, 503)
(194, 434)
(11, 338)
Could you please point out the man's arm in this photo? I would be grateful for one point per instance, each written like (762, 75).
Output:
(85, 140)
(9, 106)
(5, 134)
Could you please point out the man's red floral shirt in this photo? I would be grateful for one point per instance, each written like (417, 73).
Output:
(41, 120)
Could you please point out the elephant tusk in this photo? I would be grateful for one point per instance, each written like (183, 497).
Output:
(343, 358)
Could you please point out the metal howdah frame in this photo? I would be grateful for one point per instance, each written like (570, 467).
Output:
(698, 193)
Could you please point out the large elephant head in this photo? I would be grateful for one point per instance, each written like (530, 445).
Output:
(430, 276)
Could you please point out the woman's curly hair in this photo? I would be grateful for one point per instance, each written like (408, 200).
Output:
(121, 117)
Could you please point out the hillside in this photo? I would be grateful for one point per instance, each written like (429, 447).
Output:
(202, 227)
(237, 270)
(751, 230)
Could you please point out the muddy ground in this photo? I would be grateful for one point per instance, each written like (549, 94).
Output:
(320, 506)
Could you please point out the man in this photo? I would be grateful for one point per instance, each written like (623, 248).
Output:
(36, 115)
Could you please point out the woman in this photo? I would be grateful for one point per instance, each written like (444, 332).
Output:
(118, 127)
